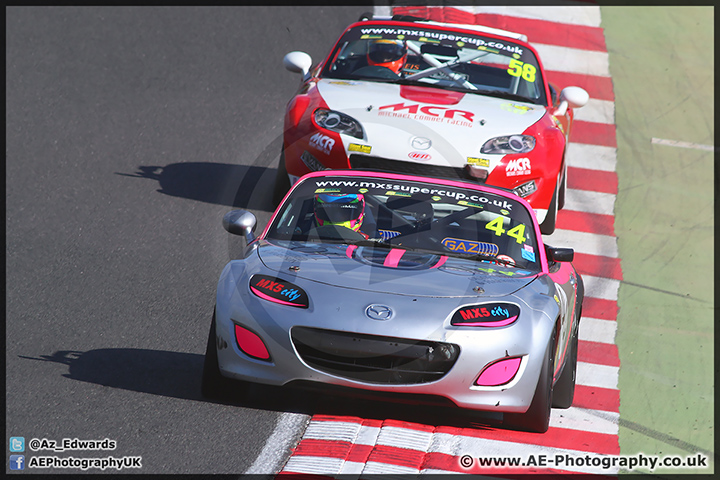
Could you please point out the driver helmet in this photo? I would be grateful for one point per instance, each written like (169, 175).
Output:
(346, 210)
(387, 53)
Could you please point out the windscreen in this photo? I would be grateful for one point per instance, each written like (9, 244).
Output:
(431, 56)
(415, 215)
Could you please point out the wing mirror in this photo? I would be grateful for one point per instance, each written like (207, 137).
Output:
(572, 97)
(298, 62)
(559, 254)
(240, 222)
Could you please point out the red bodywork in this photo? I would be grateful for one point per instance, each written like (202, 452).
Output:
(547, 159)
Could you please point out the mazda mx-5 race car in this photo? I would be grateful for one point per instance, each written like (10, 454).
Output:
(429, 288)
(445, 100)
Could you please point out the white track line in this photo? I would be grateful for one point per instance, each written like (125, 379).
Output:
(594, 375)
(599, 287)
(313, 465)
(586, 420)
(573, 60)
(590, 202)
(583, 242)
(574, 13)
(278, 443)
(678, 143)
(597, 111)
(597, 330)
(595, 157)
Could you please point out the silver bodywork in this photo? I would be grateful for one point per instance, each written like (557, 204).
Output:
(341, 286)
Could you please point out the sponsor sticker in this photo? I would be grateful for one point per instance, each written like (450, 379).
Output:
(506, 258)
(429, 113)
(515, 108)
(525, 189)
(277, 290)
(528, 255)
(470, 204)
(397, 194)
(419, 156)
(470, 246)
(356, 147)
(518, 166)
(486, 315)
(387, 234)
(322, 143)
(480, 162)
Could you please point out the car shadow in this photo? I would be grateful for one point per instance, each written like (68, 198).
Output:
(178, 375)
(236, 186)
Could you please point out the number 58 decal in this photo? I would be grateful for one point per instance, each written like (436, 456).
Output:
(518, 68)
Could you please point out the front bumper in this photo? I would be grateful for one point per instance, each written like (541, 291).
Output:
(413, 319)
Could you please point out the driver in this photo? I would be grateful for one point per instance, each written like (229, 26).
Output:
(387, 53)
(345, 210)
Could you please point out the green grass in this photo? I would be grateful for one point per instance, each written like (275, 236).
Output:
(661, 62)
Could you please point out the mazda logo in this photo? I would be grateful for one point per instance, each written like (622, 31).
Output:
(421, 143)
(379, 312)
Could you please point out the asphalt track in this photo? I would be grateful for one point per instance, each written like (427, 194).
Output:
(130, 131)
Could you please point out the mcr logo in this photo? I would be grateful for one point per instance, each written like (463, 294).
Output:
(518, 166)
(430, 110)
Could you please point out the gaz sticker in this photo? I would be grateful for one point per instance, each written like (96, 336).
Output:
(469, 246)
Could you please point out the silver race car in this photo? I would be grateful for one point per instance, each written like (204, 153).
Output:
(438, 289)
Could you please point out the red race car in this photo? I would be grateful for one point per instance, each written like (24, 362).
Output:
(408, 95)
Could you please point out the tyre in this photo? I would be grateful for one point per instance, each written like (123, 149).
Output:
(547, 227)
(563, 190)
(564, 389)
(537, 417)
(282, 181)
(214, 385)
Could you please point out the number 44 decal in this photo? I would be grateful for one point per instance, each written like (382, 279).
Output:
(518, 232)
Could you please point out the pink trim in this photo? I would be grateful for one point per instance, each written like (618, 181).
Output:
(440, 262)
(487, 324)
(393, 258)
(350, 250)
(250, 343)
(499, 373)
(271, 299)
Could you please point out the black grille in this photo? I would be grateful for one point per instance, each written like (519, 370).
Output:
(366, 162)
(374, 358)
